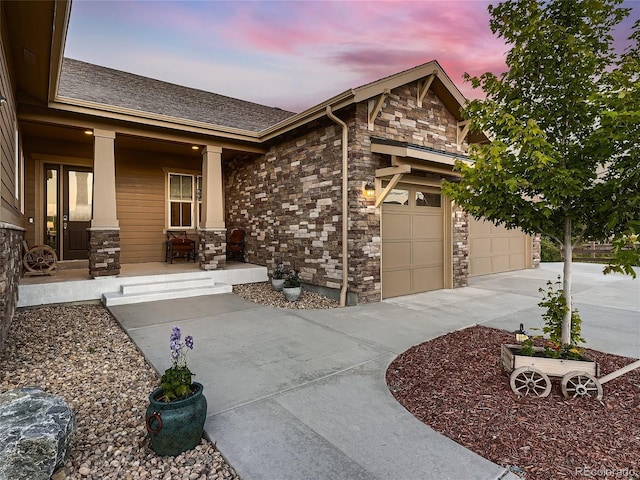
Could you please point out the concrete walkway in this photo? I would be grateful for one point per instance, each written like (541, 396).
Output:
(301, 395)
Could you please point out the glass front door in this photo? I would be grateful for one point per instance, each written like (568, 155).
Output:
(69, 197)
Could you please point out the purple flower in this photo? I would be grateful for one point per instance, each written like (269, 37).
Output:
(175, 354)
(188, 341)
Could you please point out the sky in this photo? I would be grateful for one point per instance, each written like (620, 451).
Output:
(290, 54)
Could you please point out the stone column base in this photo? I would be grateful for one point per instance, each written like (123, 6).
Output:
(10, 268)
(104, 253)
(212, 253)
(536, 251)
(460, 250)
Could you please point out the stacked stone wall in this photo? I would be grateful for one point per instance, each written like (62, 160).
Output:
(212, 253)
(289, 199)
(536, 251)
(10, 270)
(104, 253)
(460, 248)
(432, 126)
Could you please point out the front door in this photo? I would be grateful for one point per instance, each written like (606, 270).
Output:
(77, 211)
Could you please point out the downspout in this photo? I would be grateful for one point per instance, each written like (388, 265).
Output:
(345, 207)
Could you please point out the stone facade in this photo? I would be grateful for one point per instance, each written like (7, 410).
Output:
(460, 248)
(289, 200)
(212, 253)
(104, 253)
(10, 267)
(536, 251)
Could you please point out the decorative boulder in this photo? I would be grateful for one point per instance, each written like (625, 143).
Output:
(35, 434)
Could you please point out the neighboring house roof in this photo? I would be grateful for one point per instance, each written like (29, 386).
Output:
(106, 86)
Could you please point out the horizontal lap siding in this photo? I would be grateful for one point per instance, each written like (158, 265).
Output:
(141, 204)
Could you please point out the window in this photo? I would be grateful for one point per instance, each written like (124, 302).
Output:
(397, 197)
(427, 199)
(181, 199)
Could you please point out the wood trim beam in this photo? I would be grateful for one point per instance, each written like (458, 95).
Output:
(386, 172)
(422, 167)
(374, 106)
(462, 131)
(423, 87)
(392, 183)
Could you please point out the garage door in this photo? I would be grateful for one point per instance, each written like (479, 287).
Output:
(495, 249)
(412, 241)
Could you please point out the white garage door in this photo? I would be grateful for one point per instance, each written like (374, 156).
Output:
(412, 241)
(495, 249)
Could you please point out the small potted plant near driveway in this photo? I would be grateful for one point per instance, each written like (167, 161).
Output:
(178, 409)
(292, 288)
(277, 280)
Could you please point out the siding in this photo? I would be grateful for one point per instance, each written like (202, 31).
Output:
(10, 206)
(141, 202)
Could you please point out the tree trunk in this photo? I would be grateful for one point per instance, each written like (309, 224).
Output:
(566, 282)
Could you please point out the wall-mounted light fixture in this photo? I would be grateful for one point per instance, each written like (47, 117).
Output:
(3, 100)
(370, 189)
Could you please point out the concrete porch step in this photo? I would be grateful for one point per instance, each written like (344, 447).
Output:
(165, 290)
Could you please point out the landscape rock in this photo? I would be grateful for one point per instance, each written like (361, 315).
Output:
(36, 429)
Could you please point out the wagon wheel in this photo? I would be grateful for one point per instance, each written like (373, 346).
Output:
(40, 259)
(529, 380)
(581, 384)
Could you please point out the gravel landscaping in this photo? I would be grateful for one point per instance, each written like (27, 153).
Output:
(264, 294)
(455, 384)
(81, 353)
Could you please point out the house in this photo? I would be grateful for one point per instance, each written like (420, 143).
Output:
(100, 164)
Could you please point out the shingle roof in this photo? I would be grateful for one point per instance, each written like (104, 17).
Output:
(93, 83)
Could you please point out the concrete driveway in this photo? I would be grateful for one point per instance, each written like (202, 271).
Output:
(297, 394)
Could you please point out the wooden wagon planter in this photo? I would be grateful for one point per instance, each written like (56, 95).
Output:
(530, 374)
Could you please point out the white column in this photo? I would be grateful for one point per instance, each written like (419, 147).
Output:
(104, 181)
(212, 191)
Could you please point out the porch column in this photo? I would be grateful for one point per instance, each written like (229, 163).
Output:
(212, 232)
(104, 234)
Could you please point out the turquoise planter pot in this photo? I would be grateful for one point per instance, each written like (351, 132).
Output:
(176, 427)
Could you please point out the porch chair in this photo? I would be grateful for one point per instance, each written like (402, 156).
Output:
(235, 245)
(178, 245)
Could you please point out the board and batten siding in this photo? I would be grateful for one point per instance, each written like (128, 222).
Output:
(10, 202)
(142, 203)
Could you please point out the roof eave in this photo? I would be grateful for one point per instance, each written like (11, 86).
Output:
(151, 119)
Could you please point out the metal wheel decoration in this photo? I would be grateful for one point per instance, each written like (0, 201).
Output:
(530, 381)
(40, 259)
(581, 384)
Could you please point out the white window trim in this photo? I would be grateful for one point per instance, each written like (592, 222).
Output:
(195, 202)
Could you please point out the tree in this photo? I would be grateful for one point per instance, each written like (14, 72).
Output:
(563, 123)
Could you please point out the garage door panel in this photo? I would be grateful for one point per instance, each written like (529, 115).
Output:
(427, 252)
(516, 262)
(480, 246)
(480, 266)
(428, 278)
(396, 226)
(494, 249)
(517, 245)
(500, 263)
(397, 253)
(427, 226)
(412, 246)
(396, 282)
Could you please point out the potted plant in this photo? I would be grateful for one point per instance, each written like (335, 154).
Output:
(277, 280)
(178, 409)
(292, 288)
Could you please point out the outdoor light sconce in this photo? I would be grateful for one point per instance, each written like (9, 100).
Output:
(3, 100)
(521, 335)
(369, 189)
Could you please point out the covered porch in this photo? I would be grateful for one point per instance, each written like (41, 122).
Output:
(136, 282)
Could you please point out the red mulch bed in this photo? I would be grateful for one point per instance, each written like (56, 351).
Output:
(455, 384)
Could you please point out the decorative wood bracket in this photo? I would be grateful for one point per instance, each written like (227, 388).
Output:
(463, 130)
(423, 87)
(397, 173)
(374, 107)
